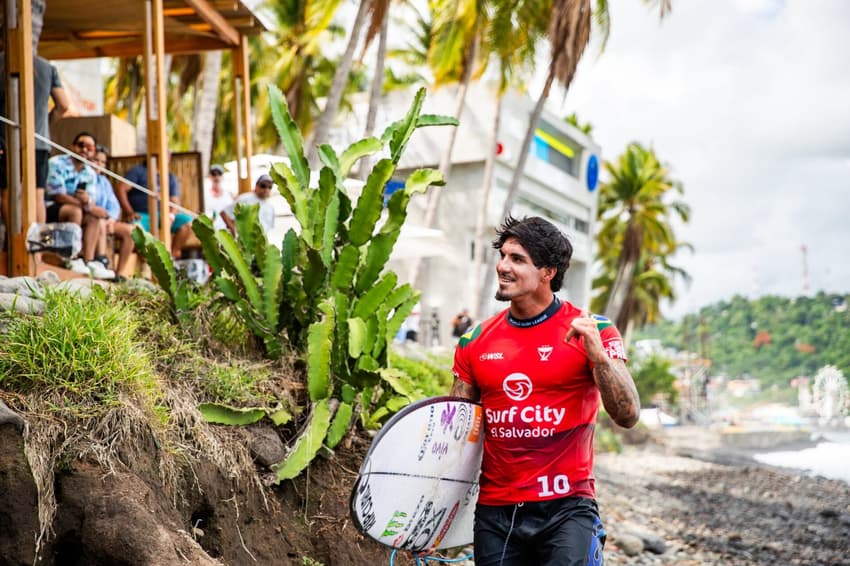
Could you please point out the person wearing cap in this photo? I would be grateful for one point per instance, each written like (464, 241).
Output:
(217, 198)
(259, 196)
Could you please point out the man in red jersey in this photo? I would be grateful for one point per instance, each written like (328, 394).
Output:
(539, 369)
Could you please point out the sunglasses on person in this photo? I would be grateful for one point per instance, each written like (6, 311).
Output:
(85, 145)
(265, 185)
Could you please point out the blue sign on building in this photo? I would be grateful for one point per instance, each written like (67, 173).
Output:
(592, 173)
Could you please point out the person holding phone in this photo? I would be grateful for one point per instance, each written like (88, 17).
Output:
(70, 186)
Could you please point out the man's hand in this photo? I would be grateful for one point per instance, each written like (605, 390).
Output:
(616, 386)
(588, 332)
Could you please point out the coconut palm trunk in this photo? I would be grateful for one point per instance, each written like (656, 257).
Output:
(569, 32)
(479, 300)
(207, 103)
(323, 125)
(376, 92)
(445, 166)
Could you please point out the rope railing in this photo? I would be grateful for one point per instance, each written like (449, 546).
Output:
(76, 156)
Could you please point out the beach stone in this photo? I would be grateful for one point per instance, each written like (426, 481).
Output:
(8, 416)
(631, 545)
(23, 286)
(81, 286)
(21, 304)
(266, 446)
(49, 278)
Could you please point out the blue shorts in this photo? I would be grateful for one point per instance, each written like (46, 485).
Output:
(180, 220)
(557, 532)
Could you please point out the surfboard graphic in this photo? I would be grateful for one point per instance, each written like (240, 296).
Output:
(418, 483)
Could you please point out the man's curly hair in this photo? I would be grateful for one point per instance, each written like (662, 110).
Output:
(547, 246)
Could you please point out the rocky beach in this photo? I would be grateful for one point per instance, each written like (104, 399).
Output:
(671, 502)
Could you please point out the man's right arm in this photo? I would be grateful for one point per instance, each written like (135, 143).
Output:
(460, 388)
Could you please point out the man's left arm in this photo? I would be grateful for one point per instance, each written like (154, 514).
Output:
(616, 386)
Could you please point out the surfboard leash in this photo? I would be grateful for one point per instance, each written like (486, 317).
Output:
(423, 560)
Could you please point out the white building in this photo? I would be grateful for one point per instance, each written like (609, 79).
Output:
(555, 185)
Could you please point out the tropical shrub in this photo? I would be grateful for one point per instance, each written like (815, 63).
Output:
(324, 293)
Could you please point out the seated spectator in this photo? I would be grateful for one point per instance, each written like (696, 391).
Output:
(71, 185)
(217, 198)
(260, 195)
(105, 198)
(134, 204)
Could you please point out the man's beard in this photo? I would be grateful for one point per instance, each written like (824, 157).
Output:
(501, 297)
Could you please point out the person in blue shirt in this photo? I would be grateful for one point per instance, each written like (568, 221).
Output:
(71, 186)
(134, 204)
(105, 198)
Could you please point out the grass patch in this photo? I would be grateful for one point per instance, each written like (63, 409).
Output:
(84, 349)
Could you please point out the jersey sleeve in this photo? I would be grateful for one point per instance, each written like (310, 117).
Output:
(611, 339)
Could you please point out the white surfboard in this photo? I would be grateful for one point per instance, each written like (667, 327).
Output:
(418, 484)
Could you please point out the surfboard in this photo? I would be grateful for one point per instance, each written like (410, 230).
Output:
(418, 484)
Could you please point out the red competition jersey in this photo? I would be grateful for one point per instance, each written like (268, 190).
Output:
(540, 404)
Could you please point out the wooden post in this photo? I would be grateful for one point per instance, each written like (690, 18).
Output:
(20, 144)
(242, 119)
(157, 146)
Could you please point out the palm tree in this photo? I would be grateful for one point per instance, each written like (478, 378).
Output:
(340, 78)
(206, 106)
(569, 32)
(452, 56)
(514, 32)
(636, 238)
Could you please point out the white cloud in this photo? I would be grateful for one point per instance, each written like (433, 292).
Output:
(747, 102)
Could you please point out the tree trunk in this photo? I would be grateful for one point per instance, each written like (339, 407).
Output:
(513, 189)
(620, 289)
(445, 166)
(323, 125)
(205, 112)
(479, 245)
(376, 92)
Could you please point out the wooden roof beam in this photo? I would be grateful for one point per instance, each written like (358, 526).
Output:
(221, 26)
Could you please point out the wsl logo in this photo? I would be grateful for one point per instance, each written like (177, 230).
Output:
(517, 386)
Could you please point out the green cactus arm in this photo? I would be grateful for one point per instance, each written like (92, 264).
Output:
(314, 272)
(402, 134)
(426, 120)
(307, 444)
(294, 193)
(378, 252)
(356, 336)
(246, 217)
(401, 312)
(217, 413)
(379, 346)
(319, 353)
(327, 155)
(356, 151)
(158, 259)
(399, 382)
(370, 203)
(339, 425)
(228, 288)
(240, 265)
(203, 228)
(272, 284)
(372, 299)
(346, 265)
(290, 136)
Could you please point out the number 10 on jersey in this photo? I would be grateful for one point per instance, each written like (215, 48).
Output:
(560, 485)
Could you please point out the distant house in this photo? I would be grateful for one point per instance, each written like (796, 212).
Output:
(555, 186)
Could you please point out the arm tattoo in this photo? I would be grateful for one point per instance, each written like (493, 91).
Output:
(460, 388)
(619, 394)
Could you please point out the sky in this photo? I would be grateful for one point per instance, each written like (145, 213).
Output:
(748, 103)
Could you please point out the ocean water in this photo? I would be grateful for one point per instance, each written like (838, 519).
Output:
(830, 458)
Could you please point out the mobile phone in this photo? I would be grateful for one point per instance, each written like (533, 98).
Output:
(81, 186)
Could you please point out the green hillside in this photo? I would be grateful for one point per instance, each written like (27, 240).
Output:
(772, 338)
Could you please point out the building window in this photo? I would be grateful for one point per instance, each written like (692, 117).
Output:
(553, 147)
(563, 218)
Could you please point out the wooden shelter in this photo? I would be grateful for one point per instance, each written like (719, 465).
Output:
(75, 29)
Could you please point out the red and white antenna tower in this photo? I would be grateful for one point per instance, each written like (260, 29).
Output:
(805, 251)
